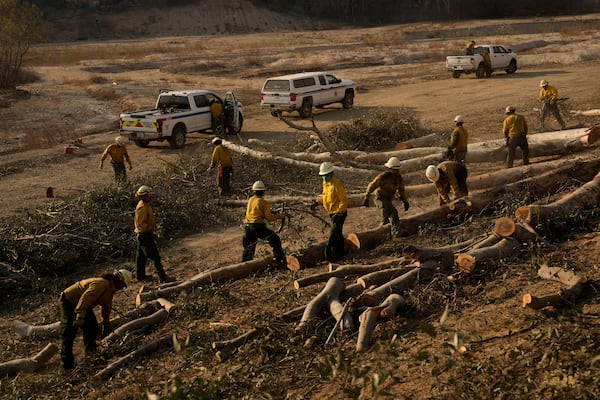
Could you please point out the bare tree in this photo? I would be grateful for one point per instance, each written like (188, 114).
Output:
(20, 24)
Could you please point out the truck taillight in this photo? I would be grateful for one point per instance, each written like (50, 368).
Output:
(159, 122)
(120, 123)
(262, 96)
(293, 96)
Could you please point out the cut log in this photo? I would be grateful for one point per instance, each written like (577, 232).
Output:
(564, 297)
(403, 155)
(422, 141)
(339, 312)
(313, 255)
(369, 318)
(351, 291)
(372, 267)
(586, 196)
(150, 348)
(380, 277)
(312, 157)
(137, 325)
(24, 330)
(28, 365)
(332, 289)
(491, 240)
(342, 272)
(375, 296)
(506, 227)
(504, 248)
(415, 253)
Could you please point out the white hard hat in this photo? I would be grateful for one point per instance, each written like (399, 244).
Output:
(143, 190)
(432, 173)
(509, 109)
(459, 118)
(125, 275)
(393, 163)
(259, 185)
(119, 139)
(326, 168)
(216, 139)
(543, 82)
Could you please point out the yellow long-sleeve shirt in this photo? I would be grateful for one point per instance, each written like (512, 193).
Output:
(144, 218)
(548, 91)
(450, 170)
(334, 199)
(514, 125)
(459, 138)
(221, 156)
(386, 184)
(91, 292)
(258, 210)
(118, 154)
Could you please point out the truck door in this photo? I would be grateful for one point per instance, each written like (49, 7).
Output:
(232, 112)
(499, 57)
(324, 96)
(336, 91)
(203, 117)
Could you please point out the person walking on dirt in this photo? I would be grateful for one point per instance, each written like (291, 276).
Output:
(386, 186)
(515, 130)
(335, 202)
(457, 150)
(548, 97)
(258, 212)
(76, 305)
(221, 158)
(118, 155)
(144, 229)
(448, 175)
(216, 112)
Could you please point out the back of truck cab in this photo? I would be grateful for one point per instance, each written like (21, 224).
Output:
(282, 93)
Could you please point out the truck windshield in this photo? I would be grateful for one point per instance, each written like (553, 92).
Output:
(277, 84)
(176, 102)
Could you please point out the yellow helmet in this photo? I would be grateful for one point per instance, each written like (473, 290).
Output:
(432, 173)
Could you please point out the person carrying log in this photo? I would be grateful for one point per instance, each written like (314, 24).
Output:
(144, 229)
(548, 97)
(457, 150)
(76, 305)
(221, 158)
(515, 131)
(448, 175)
(258, 212)
(118, 155)
(386, 186)
(335, 202)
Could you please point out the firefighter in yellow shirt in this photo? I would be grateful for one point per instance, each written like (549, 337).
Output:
(258, 213)
(118, 155)
(216, 113)
(335, 202)
(386, 186)
(448, 175)
(515, 131)
(548, 97)
(221, 158)
(458, 141)
(76, 304)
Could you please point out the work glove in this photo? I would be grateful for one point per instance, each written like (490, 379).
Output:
(406, 206)
(78, 323)
(336, 219)
(366, 202)
(507, 140)
(314, 206)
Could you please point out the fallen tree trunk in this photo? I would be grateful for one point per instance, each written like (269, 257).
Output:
(28, 365)
(377, 278)
(572, 292)
(314, 254)
(227, 347)
(313, 157)
(369, 318)
(24, 330)
(504, 248)
(505, 227)
(422, 141)
(402, 155)
(586, 196)
(137, 325)
(332, 290)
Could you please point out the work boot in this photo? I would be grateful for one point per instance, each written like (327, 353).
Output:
(166, 279)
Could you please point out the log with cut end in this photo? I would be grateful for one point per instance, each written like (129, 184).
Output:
(504, 248)
(506, 227)
(332, 290)
(314, 254)
(563, 297)
(586, 196)
(369, 318)
(138, 325)
(422, 141)
(28, 365)
(342, 272)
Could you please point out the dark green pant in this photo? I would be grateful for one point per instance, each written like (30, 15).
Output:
(253, 232)
(335, 246)
(120, 172)
(68, 332)
(146, 249)
(513, 143)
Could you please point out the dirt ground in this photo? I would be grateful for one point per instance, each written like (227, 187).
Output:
(390, 69)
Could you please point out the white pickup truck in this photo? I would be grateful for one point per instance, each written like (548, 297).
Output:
(179, 112)
(500, 58)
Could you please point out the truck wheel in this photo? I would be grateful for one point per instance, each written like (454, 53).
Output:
(512, 67)
(232, 131)
(141, 143)
(177, 139)
(456, 74)
(306, 109)
(348, 100)
(480, 73)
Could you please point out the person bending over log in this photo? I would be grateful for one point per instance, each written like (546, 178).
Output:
(76, 305)
(335, 202)
(448, 175)
(386, 186)
(255, 227)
